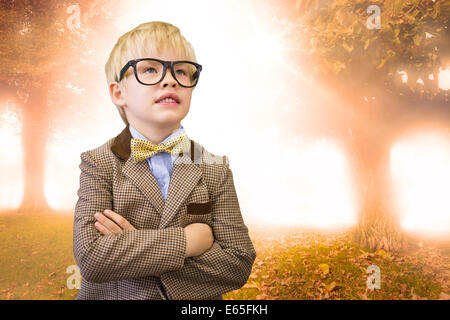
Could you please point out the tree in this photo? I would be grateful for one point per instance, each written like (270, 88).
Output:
(40, 40)
(361, 66)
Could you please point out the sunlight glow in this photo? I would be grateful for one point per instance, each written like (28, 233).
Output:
(62, 173)
(444, 79)
(11, 168)
(306, 184)
(421, 170)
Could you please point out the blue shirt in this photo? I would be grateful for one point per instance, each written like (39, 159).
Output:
(161, 164)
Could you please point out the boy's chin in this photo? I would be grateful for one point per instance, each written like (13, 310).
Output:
(170, 116)
(166, 122)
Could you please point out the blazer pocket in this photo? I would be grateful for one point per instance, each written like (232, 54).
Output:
(199, 208)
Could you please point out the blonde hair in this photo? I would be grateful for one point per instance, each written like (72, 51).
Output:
(155, 36)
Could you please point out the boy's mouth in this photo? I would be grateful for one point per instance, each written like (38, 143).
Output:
(168, 98)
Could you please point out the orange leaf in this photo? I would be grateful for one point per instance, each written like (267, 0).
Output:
(330, 286)
(261, 296)
(381, 253)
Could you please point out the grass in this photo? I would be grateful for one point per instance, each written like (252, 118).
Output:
(36, 250)
(288, 268)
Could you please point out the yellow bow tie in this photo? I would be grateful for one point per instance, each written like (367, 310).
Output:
(143, 149)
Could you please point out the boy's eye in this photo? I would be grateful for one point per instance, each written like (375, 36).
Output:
(181, 72)
(153, 69)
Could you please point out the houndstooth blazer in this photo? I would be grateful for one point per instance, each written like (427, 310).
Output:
(149, 262)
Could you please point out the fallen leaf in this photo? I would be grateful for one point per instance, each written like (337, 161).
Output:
(381, 252)
(324, 267)
(286, 281)
(261, 296)
(330, 286)
(364, 296)
(364, 255)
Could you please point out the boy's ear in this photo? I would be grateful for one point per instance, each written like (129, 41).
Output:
(116, 91)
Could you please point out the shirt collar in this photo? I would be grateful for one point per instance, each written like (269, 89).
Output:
(137, 134)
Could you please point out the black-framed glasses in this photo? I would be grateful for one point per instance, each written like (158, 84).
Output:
(150, 71)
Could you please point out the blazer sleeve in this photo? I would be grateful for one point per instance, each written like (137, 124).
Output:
(133, 253)
(227, 265)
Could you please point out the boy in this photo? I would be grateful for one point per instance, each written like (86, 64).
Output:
(157, 215)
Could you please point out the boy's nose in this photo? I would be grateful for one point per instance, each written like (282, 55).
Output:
(168, 78)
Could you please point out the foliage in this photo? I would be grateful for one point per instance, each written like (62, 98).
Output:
(40, 38)
(413, 38)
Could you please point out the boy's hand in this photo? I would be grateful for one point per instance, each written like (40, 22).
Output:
(111, 223)
(199, 238)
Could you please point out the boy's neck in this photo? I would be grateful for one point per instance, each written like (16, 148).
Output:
(155, 134)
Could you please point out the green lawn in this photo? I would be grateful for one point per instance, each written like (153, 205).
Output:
(35, 252)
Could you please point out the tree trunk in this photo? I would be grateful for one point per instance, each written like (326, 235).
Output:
(378, 226)
(34, 139)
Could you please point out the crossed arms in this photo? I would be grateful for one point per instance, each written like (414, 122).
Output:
(188, 260)
(199, 237)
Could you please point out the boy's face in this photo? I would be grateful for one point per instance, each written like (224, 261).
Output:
(140, 101)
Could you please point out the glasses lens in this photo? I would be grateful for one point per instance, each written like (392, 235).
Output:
(186, 73)
(149, 71)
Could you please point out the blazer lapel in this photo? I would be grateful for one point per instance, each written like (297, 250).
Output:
(185, 176)
(138, 172)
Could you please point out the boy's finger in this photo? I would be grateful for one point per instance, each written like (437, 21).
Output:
(108, 223)
(121, 221)
(102, 228)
